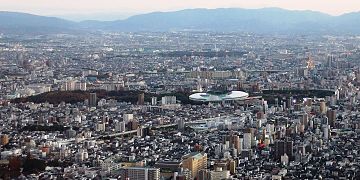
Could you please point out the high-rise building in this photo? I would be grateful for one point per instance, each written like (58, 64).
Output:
(308, 102)
(93, 100)
(168, 100)
(100, 126)
(358, 75)
(132, 125)
(303, 72)
(232, 167)
(139, 132)
(322, 107)
(289, 102)
(141, 98)
(310, 63)
(304, 120)
(276, 102)
(283, 147)
(19, 59)
(120, 126)
(194, 162)
(241, 144)
(330, 61)
(89, 72)
(284, 159)
(73, 85)
(235, 142)
(247, 141)
(248, 138)
(153, 174)
(143, 131)
(128, 117)
(70, 133)
(181, 124)
(154, 101)
(331, 115)
(139, 173)
(216, 174)
(4, 139)
(219, 174)
(204, 174)
(297, 107)
(260, 115)
(326, 132)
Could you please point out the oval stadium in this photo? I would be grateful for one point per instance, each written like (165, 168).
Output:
(219, 96)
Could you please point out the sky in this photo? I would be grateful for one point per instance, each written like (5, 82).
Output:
(115, 9)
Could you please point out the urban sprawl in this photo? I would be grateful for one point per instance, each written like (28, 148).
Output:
(107, 105)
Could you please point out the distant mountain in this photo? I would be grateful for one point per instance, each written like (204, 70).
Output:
(347, 23)
(28, 23)
(266, 20)
(254, 20)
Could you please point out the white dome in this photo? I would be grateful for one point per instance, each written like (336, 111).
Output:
(207, 97)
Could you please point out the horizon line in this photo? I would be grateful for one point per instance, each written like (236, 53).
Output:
(67, 16)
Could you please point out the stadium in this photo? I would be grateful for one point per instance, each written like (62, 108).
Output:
(219, 96)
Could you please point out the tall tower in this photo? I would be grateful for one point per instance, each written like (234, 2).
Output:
(141, 97)
(310, 63)
(93, 100)
(323, 107)
(181, 124)
(331, 115)
(331, 61)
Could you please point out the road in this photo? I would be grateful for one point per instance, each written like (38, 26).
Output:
(67, 141)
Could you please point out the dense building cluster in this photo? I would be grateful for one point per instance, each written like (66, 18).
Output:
(122, 108)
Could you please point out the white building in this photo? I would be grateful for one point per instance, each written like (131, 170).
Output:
(120, 126)
(128, 117)
(247, 141)
(168, 100)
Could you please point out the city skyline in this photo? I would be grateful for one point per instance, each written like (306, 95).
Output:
(179, 89)
(112, 9)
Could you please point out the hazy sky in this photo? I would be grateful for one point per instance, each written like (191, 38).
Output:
(92, 8)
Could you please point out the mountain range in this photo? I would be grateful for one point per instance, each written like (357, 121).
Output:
(266, 20)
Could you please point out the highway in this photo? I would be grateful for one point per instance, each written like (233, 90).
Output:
(67, 141)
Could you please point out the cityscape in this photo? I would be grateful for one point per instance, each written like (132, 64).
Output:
(185, 103)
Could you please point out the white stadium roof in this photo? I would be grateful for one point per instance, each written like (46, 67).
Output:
(209, 97)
